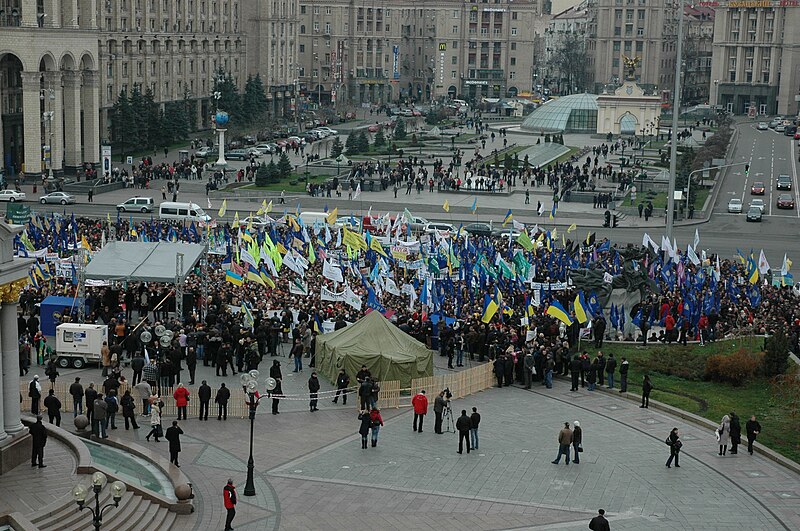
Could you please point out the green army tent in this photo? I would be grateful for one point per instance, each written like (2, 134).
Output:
(388, 352)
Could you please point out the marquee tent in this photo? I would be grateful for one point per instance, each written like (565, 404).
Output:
(388, 352)
(143, 261)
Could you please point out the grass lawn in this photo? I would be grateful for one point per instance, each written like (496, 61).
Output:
(282, 185)
(712, 400)
(660, 199)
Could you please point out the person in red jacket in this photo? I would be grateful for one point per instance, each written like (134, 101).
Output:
(181, 396)
(229, 495)
(669, 324)
(420, 403)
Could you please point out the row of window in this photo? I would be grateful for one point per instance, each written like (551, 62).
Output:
(155, 46)
(140, 67)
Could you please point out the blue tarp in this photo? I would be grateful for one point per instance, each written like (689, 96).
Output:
(54, 305)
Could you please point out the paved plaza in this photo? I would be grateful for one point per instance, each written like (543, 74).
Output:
(313, 474)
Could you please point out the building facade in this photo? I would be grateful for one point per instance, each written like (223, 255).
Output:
(697, 52)
(376, 51)
(571, 23)
(49, 86)
(756, 58)
(634, 28)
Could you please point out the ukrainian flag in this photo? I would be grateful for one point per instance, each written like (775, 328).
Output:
(489, 308)
(508, 217)
(262, 272)
(752, 270)
(233, 278)
(252, 274)
(556, 310)
(581, 308)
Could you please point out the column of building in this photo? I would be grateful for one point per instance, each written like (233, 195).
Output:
(32, 119)
(91, 118)
(9, 346)
(54, 129)
(72, 120)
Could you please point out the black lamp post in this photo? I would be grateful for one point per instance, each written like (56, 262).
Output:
(250, 386)
(80, 492)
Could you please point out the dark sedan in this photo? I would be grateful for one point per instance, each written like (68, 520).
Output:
(786, 201)
(479, 229)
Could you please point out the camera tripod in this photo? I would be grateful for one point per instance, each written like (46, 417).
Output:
(447, 420)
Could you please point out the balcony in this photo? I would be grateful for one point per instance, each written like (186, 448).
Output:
(10, 18)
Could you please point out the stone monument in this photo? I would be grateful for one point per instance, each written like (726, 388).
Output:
(15, 445)
(628, 111)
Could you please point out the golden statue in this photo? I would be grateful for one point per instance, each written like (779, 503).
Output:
(630, 65)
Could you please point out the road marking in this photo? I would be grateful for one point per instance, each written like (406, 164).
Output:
(794, 171)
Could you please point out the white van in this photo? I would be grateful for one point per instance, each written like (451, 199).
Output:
(311, 218)
(182, 211)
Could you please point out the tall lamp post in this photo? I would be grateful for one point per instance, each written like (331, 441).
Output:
(80, 492)
(47, 117)
(250, 386)
(676, 109)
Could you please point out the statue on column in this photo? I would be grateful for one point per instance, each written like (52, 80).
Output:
(630, 66)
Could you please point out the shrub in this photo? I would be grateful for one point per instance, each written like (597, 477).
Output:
(735, 368)
(776, 359)
(400, 129)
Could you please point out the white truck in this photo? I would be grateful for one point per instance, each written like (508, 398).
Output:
(79, 344)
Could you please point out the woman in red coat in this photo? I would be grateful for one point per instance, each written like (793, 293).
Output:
(377, 422)
(181, 396)
(229, 496)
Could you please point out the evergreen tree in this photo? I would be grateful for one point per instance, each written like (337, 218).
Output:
(284, 166)
(254, 100)
(123, 126)
(776, 357)
(139, 114)
(351, 145)
(273, 175)
(262, 175)
(380, 140)
(153, 121)
(336, 147)
(363, 142)
(229, 100)
(400, 129)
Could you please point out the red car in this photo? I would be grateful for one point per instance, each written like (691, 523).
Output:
(786, 201)
(757, 188)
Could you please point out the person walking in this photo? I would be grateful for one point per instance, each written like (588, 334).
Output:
(128, 407)
(313, 391)
(463, 425)
(204, 395)
(564, 442)
(173, 435)
(647, 387)
(297, 354)
(474, 420)
(675, 444)
(229, 499)
(753, 428)
(144, 390)
(112, 406)
(611, 366)
(599, 522)
(623, 375)
(577, 440)
(530, 367)
(420, 404)
(181, 396)
(736, 433)
(53, 406)
(363, 430)
(38, 441)
(276, 394)
(35, 394)
(223, 395)
(76, 391)
(438, 410)
(342, 383)
(377, 424)
(155, 424)
(724, 434)
(364, 393)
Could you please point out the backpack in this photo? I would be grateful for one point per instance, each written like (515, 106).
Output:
(668, 442)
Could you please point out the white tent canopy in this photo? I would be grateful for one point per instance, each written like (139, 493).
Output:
(143, 261)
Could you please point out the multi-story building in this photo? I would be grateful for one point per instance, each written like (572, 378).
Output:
(568, 24)
(49, 86)
(378, 51)
(634, 28)
(698, 39)
(756, 59)
(272, 29)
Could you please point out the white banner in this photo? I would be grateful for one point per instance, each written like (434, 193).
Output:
(332, 272)
(331, 296)
(298, 287)
(352, 299)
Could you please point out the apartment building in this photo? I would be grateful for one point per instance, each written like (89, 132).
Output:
(756, 57)
(375, 51)
(698, 47)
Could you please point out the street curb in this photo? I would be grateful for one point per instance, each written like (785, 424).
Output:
(705, 423)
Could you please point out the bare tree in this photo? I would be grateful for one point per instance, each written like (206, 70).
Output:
(571, 62)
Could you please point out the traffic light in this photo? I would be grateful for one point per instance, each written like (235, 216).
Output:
(615, 221)
(746, 169)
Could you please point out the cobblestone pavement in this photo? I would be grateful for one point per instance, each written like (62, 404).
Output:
(311, 472)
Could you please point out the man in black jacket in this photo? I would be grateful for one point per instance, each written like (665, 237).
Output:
(753, 429)
(91, 396)
(438, 409)
(39, 435)
(342, 383)
(575, 370)
(623, 375)
(475, 420)
(313, 391)
(204, 395)
(173, 435)
(599, 522)
(364, 393)
(223, 395)
(463, 425)
(191, 363)
(53, 406)
(611, 366)
(735, 432)
(76, 391)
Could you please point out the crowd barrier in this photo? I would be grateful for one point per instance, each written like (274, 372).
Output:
(392, 395)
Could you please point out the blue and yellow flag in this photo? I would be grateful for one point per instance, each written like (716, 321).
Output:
(233, 278)
(489, 308)
(556, 310)
(582, 312)
(508, 217)
(752, 269)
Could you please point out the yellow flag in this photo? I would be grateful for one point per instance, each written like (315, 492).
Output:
(250, 223)
(354, 240)
(312, 257)
(554, 234)
(572, 228)
(446, 206)
(333, 216)
(235, 219)
(268, 208)
(376, 246)
(85, 243)
(223, 208)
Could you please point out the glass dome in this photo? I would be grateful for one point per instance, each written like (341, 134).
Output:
(576, 113)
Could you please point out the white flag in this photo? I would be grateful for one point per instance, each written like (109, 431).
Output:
(692, 255)
(763, 265)
(696, 239)
(787, 264)
(358, 191)
(647, 240)
(391, 287)
(332, 272)
(352, 299)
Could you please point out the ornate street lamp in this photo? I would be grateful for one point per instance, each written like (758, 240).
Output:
(80, 492)
(250, 386)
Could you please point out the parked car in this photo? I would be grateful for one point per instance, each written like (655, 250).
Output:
(329, 131)
(441, 228)
(780, 128)
(11, 196)
(763, 126)
(784, 182)
(758, 203)
(758, 188)
(62, 198)
(237, 154)
(735, 206)
(786, 201)
(507, 233)
(253, 152)
(204, 152)
(479, 229)
(136, 204)
(418, 224)
(754, 214)
(267, 149)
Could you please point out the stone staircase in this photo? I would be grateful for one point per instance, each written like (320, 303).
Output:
(133, 513)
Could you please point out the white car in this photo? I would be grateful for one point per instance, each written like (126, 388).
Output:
(328, 131)
(253, 152)
(763, 126)
(445, 229)
(12, 195)
(758, 203)
(735, 206)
